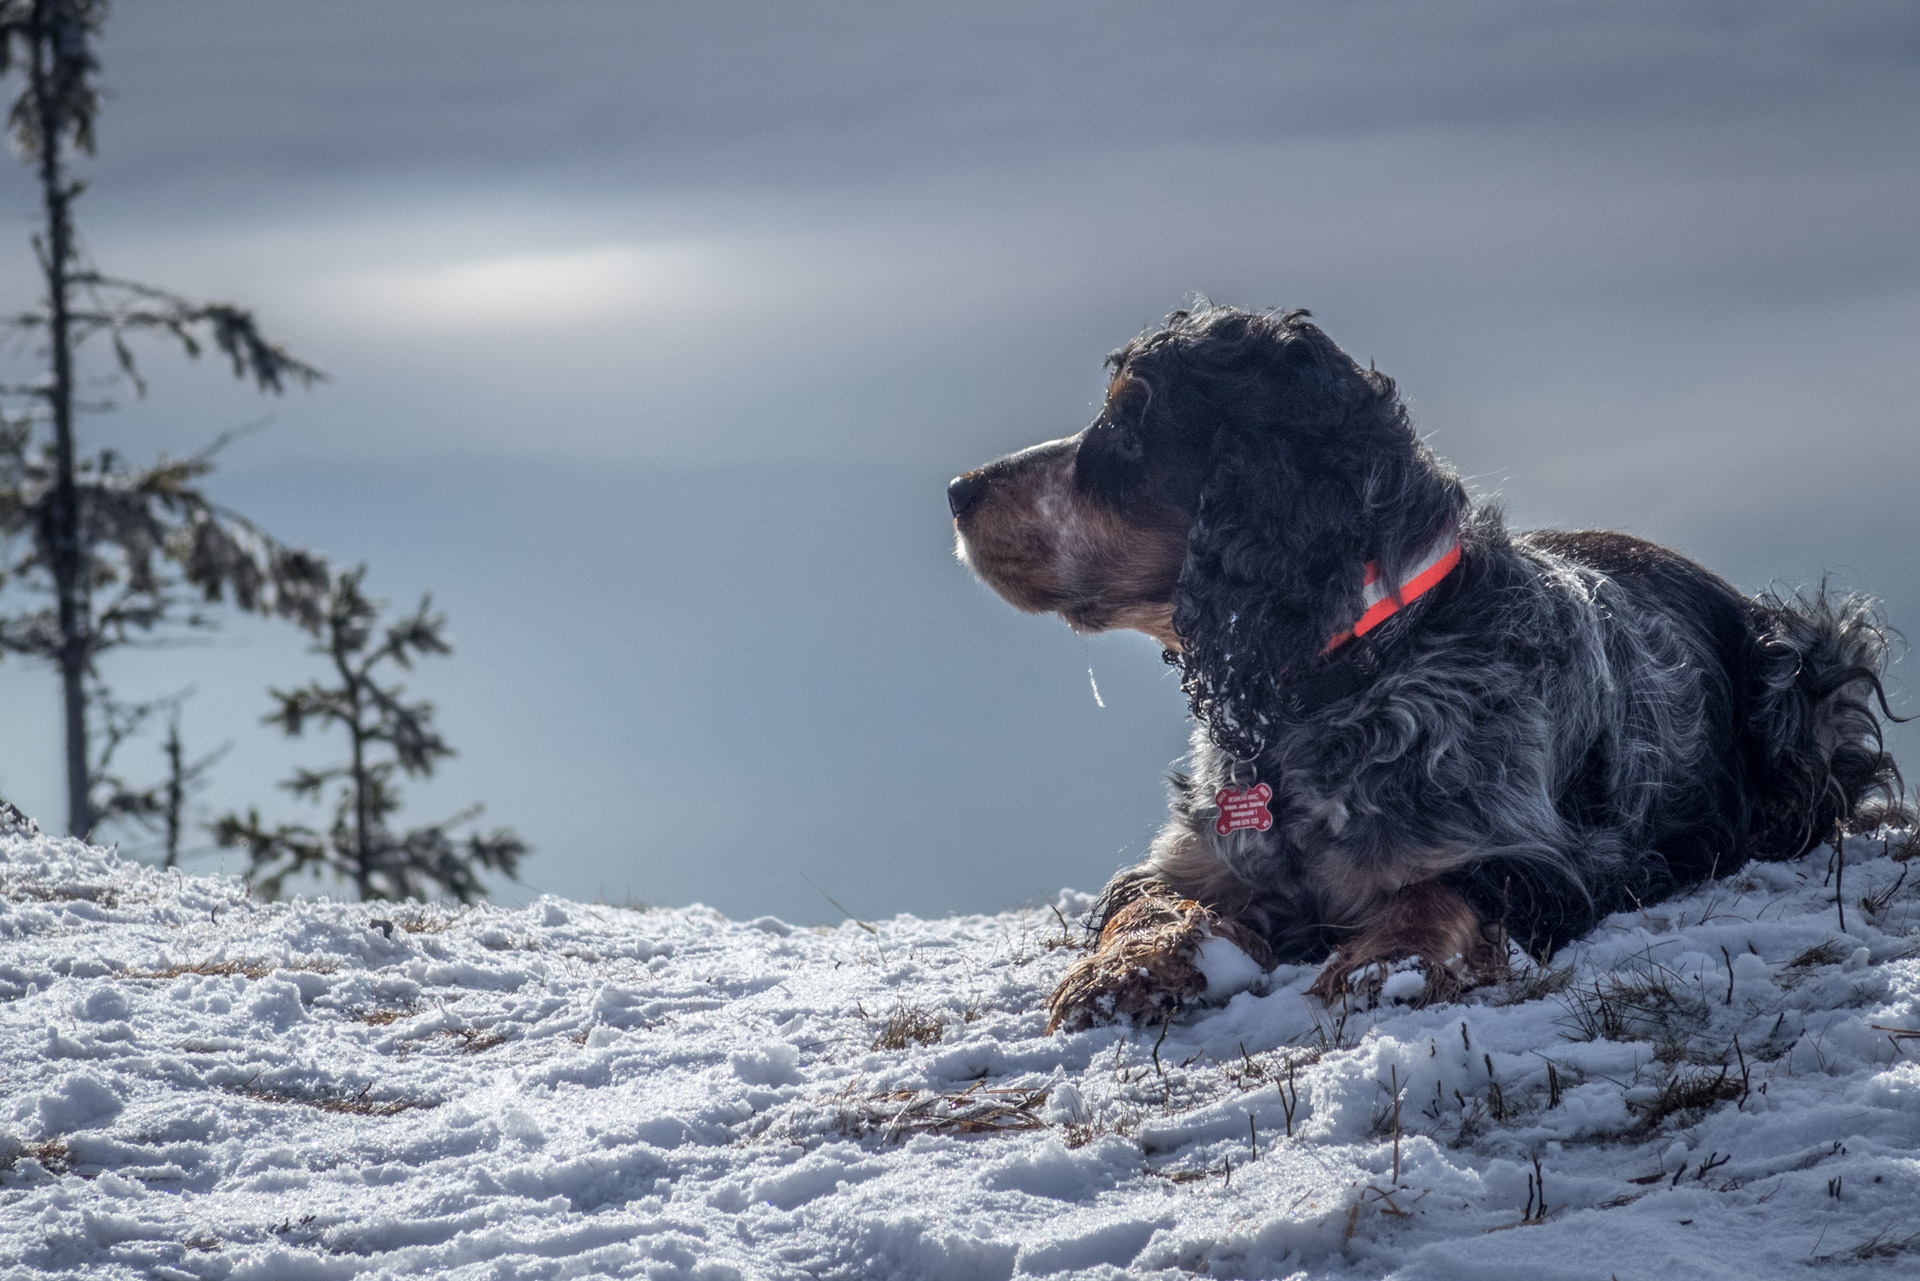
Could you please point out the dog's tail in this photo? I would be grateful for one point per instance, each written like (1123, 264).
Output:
(1816, 751)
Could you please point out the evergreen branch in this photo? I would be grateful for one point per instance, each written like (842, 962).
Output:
(273, 854)
(389, 735)
(51, 37)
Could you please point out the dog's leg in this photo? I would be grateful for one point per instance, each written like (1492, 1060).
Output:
(1426, 923)
(1146, 961)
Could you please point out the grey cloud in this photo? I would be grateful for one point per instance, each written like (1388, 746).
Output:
(745, 96)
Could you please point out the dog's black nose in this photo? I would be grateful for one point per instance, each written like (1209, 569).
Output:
(965, 492)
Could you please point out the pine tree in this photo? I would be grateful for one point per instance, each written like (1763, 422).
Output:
(159, 809)
(123, 551)
(387, 736)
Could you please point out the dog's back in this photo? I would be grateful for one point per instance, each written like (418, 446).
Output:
(1799, 750)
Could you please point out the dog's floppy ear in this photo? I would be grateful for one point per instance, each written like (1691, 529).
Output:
(1313, 471)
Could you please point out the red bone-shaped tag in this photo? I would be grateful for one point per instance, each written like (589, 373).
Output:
(1243, 809)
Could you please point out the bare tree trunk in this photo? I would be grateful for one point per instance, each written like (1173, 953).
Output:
(176, 789)
(356, 730)
(62, 536)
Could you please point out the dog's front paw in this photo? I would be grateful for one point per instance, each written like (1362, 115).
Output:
(1426, 945)
(1404, 980)
(1150, 961)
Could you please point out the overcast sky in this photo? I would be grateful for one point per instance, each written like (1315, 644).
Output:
(655, 331)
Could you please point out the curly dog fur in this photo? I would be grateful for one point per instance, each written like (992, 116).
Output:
(1569, 723)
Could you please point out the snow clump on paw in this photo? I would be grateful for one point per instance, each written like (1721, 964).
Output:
(1405, 983)
(1226, 967)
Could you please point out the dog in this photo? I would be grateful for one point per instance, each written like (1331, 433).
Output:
(1417, 736)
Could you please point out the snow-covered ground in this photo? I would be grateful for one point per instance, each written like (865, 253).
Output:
(194, 1084)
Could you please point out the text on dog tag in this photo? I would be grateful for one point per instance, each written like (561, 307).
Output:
(1241, 809)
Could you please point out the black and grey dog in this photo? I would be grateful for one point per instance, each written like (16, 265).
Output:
(1416, 733)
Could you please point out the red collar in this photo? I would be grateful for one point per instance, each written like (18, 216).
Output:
(1421, 577)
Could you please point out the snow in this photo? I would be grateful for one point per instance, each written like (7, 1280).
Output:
(195, 1084)
(1402, 985)
(1227, 970)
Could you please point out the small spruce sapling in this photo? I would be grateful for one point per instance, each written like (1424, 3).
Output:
(160, 809)
(386, 736)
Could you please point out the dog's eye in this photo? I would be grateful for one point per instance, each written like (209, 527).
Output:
(1119, 442)
(1110, 466)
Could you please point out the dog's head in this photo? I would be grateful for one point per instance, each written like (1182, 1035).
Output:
(1226, 500)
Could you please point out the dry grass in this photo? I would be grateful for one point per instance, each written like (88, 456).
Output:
(30, 891)
(426, 922)
(1534, 986)
(1274, 1068)
(422, 920)
(249, 969)
(52, 1156)
(1876, 903)
(473, 1040)
(1825, 952)
(1691, 1091)
(896, 1114)
(1906, 848)
(1078, 1136)
(355, 1104)
(1066, 938)
(381, 1018)
(1877, 1246)
(216, 969)
(1649, 1006)
(624, 903)
(908, 1025)
(1180, 1176)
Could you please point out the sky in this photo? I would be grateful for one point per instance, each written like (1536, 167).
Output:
(653, 333)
